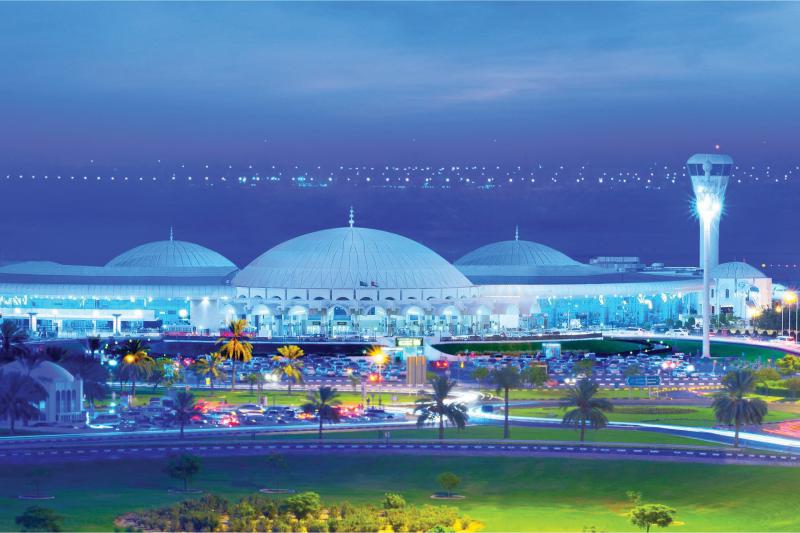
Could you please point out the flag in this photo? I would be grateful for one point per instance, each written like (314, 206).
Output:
(373, 283)
(362, 284)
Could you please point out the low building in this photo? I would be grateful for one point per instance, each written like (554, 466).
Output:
(64, 403)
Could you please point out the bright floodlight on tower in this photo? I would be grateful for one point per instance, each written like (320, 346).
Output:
(710, 174)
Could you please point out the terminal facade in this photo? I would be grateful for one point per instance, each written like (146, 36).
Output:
(354, 281)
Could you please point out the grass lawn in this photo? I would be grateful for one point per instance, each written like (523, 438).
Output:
(557, 394)
(726, 349)
(143, 395)
(590, 345)
(680, 415)
(506, 494)
(517, 433)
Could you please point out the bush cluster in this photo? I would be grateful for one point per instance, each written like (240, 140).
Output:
(304, 512)
(648, 410)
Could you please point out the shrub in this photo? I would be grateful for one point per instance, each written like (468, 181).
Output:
(303, 504)
(392, 500)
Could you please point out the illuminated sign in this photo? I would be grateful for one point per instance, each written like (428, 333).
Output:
(14, 301)
(409, 342)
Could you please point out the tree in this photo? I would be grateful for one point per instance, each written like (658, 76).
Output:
(765, 374)
(303, 504)
(289, 364)
(186, 408)
(449, 482)
(433, 406)
(235, 347)
(480, 373)
(631, 371)
(183, 467)
(788, 364)
(19, 397)
(55, 354)
(36, 518)
(276, 463)
(652, 514)
(792, 385)
(208, 367)
(585, 366)
(324, 402)
(252, 380)
(94, 376)
(587, 408)
(13, 338)
(505, 379)
(162, 372)
(535, 375)
(135, 362)
(392, 500)
(93, 344)
(731, 407)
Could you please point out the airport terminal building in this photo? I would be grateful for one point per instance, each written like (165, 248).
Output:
(354, 281)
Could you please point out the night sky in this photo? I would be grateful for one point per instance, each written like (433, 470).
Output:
(140, 89)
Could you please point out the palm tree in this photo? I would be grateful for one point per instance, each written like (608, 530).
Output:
(209, 367)
(136, 362)
(252, 380)
(324, 402)
(93, 344)
(186, 408)
(12, 337)
(93, 374)
(234, 347)
(19, 395)
(432, 406)
(731, 407)
(289, 364)
(587, 408)
(55, 354)
(504, 379)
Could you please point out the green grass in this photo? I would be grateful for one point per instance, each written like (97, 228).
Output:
(506, 494)
(143, 395)
(557, 394)
(517, 433)
(588, 345)
(689, 415)
(727, 349)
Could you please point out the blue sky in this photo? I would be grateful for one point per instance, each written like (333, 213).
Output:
(619, 84)
(411, 82)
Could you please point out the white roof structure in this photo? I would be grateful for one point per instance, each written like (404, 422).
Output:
(350, 258)
(521, 259)
(737, 270)
(45, 371)
(171, 254)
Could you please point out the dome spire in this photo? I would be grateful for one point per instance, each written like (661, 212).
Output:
(516, 232)
(351, 220)
(171, 234)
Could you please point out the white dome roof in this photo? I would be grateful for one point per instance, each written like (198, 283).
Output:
(516, 253)
(44, 371)
(170, 254)
(349, 258)
(736, 270)
(522, 262)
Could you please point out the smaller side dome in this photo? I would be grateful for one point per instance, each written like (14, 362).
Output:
(44, 371)
(171, 254)
(737, 270)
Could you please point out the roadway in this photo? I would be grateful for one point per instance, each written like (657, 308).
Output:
(126, 451)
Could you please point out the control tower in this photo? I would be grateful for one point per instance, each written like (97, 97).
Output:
(710, 174)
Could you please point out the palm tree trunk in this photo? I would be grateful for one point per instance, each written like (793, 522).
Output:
(583, 429)
(505, 425)
(182, 424)
(441, 427)
(320, 427)
(11, 418)
(736, 436)
(133, 390)
(233, 374)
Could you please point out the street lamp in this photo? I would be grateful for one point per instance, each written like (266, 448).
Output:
(790, 297)
(379, 358)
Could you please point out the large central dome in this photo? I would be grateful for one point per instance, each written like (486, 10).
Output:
(349, 258)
